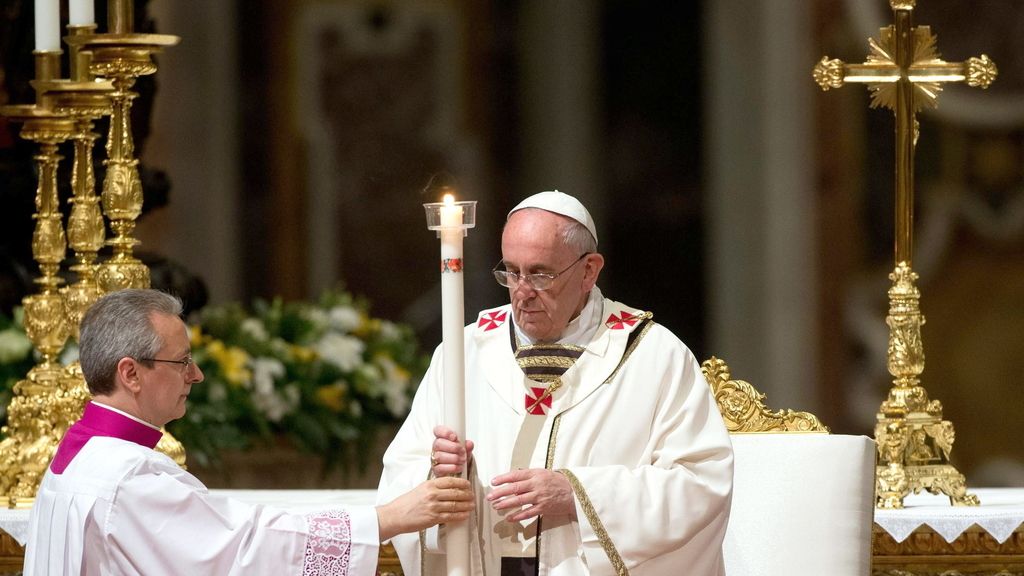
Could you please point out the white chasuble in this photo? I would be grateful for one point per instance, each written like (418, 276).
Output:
(119, 507)
(632, 425)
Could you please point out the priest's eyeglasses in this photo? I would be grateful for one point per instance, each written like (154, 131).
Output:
(540, 281)
(185, 364)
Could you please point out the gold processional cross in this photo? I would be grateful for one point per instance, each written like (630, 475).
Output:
(904, 73)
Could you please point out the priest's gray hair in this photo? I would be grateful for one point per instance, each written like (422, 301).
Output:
(118, 326)
(576, 236)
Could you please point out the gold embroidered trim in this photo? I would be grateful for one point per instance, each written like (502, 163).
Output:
(595, 522)
(550, 460)
(568, 347)
(423, 551)
(546, 362)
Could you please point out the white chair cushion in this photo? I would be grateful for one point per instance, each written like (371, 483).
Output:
(802, 505)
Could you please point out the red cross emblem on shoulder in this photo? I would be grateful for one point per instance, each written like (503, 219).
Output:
(491, 320)
(533, 406)
(619, 322)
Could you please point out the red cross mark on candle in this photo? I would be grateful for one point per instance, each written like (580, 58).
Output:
(533, 406)
(618, 323)
(451, 265)
(491, 320)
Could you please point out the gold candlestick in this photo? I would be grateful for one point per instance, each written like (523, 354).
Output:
(122, 56)
(84, 99)
(37, 415)
(47, 127)
(43, 311)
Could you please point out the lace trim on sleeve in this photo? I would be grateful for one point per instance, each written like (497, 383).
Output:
(328, 544)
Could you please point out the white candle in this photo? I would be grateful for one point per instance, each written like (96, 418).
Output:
(453, 315)
(47, 14)
(453, 319)
(81, 12)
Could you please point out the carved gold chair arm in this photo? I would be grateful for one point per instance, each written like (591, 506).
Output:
(743, 409)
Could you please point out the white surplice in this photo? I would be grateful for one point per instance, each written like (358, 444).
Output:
(635, 427)
(121, 508)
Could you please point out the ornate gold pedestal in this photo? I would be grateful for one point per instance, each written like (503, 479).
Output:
(914, 441)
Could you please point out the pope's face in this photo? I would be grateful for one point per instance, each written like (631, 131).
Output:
(532, 244)
(164, 386)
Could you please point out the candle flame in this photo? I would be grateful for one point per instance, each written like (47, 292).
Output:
(449, 200)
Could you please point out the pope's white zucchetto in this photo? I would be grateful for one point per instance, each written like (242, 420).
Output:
(559, 203)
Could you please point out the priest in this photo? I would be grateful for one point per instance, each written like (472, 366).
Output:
(592, 440)
(110, 504)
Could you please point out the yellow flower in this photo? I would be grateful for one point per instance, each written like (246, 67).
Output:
(401, 374)
(302, 353)
(232, 361)
(367, 327)
(195, 335)
(332, 396)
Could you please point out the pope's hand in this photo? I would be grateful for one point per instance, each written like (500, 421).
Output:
(448, 456)
(533, 492)
(438, 501)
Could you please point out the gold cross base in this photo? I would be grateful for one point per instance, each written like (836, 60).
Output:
(914, 456)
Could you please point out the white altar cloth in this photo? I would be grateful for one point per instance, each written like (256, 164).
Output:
(1001, 511)
(15, 522)
(1000, 514)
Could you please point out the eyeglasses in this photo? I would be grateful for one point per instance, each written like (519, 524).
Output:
(185, 364)
(539, 282)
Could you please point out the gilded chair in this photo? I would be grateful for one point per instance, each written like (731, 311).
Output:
(803, 499)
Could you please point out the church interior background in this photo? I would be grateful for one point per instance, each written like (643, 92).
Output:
(287, 146)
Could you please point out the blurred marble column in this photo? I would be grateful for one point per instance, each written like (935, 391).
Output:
(195, 139)
(560, 94)
(761, 197)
